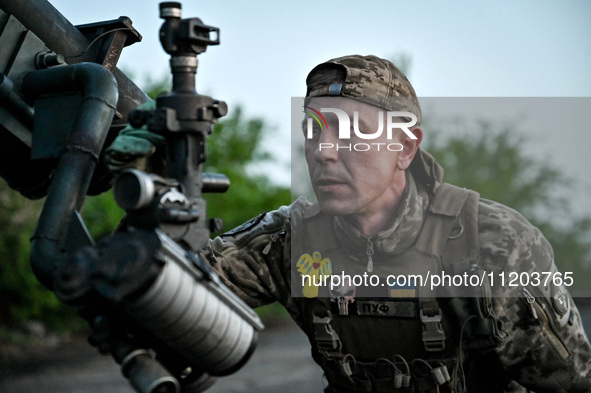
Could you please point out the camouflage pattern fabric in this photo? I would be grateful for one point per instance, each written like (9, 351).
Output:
(546, 349)
(371, 80)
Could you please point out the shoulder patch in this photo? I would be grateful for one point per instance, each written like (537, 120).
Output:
(561, 303)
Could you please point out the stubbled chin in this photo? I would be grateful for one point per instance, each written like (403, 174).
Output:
(334, 206)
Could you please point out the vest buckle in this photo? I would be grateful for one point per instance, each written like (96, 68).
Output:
(327, 340)
(433, 334)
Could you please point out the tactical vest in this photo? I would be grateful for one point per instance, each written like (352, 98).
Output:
(400, 344)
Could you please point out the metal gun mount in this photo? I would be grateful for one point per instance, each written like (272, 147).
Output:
(197, 326)
(152, 302)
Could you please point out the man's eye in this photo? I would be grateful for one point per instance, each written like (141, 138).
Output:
(314, 133)
(311, 129)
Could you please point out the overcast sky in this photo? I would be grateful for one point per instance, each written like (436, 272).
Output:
(460, 48)
(526, 48)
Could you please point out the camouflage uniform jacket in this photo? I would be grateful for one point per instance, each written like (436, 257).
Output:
(545, 348)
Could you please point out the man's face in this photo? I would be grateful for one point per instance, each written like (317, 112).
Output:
(349, 181)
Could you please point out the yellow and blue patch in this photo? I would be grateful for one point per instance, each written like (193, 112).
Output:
(408, 290)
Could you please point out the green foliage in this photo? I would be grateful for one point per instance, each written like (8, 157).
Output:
(491, 160)
(233, 148)
(157, 86)
(272, 313)
(101, 214)
(22, 297)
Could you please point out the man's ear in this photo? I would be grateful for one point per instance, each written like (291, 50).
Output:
(409, 148)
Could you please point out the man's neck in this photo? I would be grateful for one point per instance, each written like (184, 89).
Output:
(373, 222)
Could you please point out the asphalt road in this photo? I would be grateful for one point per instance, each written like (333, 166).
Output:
(281, 364)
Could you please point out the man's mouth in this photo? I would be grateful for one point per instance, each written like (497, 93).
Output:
(329, 184)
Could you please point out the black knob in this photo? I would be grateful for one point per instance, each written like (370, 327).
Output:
(219, 109)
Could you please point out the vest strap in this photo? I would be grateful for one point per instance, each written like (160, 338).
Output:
(444, 209)
(474, 310)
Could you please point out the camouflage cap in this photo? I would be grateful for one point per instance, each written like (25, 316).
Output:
(368, 79)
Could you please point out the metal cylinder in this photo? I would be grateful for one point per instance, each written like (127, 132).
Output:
(215, 182)
(77, 163)
(133, 189)
(192, 314)
(147, 375)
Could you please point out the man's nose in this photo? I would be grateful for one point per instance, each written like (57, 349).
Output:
(327, 148)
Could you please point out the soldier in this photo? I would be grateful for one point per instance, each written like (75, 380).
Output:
(384, 212)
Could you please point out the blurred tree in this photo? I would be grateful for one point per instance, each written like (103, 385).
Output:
(403, 61)
(233, 149)
(492, 161)
(22, 297)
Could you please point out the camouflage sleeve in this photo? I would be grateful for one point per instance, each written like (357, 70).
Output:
(546, 348)
(253, 259)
